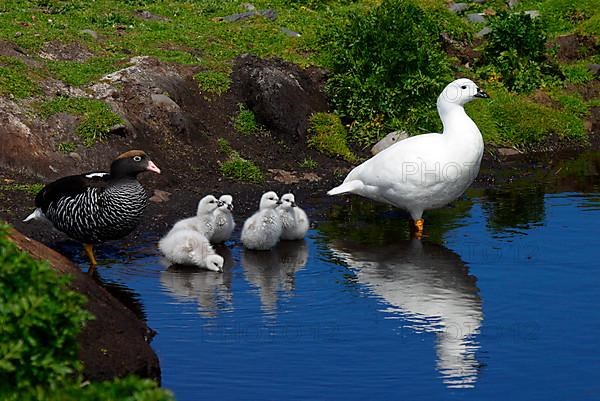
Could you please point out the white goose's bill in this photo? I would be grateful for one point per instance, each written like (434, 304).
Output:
(152, 167)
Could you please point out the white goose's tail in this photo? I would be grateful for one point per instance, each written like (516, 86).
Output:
(36, 215)
(349, 186)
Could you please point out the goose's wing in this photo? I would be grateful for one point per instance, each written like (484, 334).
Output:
(400, 161)
(70, 186)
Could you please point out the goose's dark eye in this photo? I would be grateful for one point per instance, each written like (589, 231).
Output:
(137, 158)
(463, 87)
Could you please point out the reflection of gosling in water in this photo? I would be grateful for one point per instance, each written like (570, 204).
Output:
(189, 247)
(204, 220)
(262, 230)
(293, 219)
(224, 223)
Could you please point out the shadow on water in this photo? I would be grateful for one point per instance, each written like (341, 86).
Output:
(273, 272)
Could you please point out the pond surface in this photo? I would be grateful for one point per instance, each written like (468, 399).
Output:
(499, 300)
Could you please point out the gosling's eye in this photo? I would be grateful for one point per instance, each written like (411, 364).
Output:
(463, 87)
(137, 158)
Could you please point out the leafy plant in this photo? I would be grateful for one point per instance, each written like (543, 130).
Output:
(66, 147)
(245, 122)
(515, 52)
(328, 136)
(97, 117)
(39, 322)
(238, 168)
(309, 163)
(389, 67)
(15, 78)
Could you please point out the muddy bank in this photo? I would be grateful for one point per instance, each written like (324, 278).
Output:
(113, 344)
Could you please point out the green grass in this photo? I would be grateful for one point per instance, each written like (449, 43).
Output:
(29, 188)
(510, 119)
(245, 121)
(236, 167)
(96, 116)
(16, 79)
(76, 73)
(309, 163)
(66, 147)
(328, 136)
(213, 82)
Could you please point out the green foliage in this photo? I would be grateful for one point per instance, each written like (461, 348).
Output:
(389, 67)
(245, 122)
(236, 167)
(15, 78)
(577, 73)
(328, 136)
(29, 188)
(309, 163)
(568, 15)
(515, 52)
(39, 322)
(76, 73)
(66, 147)
(240, 169)
(213, 82)
(510, 119)
(96, 116)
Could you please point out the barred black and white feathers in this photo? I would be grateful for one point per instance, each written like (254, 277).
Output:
(99, 206)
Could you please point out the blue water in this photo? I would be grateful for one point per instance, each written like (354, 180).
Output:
(499, 301)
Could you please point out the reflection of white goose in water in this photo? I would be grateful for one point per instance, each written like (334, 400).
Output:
(211, 291)
(431, 288)
(274, 270)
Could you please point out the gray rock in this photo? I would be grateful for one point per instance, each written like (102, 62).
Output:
(93, 34)
(594, 68)
(75, 156)
(389, 140)
(479, 1)
(512, 3)
(532, 13)
(506, 152)
(483, 32)
(290, 33)
(458, 7)
(165, 102)
(477, 18)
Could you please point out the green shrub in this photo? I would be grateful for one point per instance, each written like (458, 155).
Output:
(328, 136)
(97, 117)
(240, 169)
(39, 322)
(515, 52)
(567, 15)
(66, 147)
(309, 163)
(389, 67)
(245, 122)
(40, 319)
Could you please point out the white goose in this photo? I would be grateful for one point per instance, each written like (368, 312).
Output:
(293, 219)
(188, 247)
(425, 171)
(204, 221)
(262, 230)
(224, 223)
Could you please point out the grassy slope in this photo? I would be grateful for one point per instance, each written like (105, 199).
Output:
(191, 33)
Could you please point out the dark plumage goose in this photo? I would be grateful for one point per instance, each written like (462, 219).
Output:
(98, 206)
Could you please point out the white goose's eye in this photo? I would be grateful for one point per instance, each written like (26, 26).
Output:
(463, 87)
(137, 158)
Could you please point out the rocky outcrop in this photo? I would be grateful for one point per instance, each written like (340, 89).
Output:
(281, 95)
(115, 343)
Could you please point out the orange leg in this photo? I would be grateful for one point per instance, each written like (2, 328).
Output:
(417, 228)
(89, 251)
